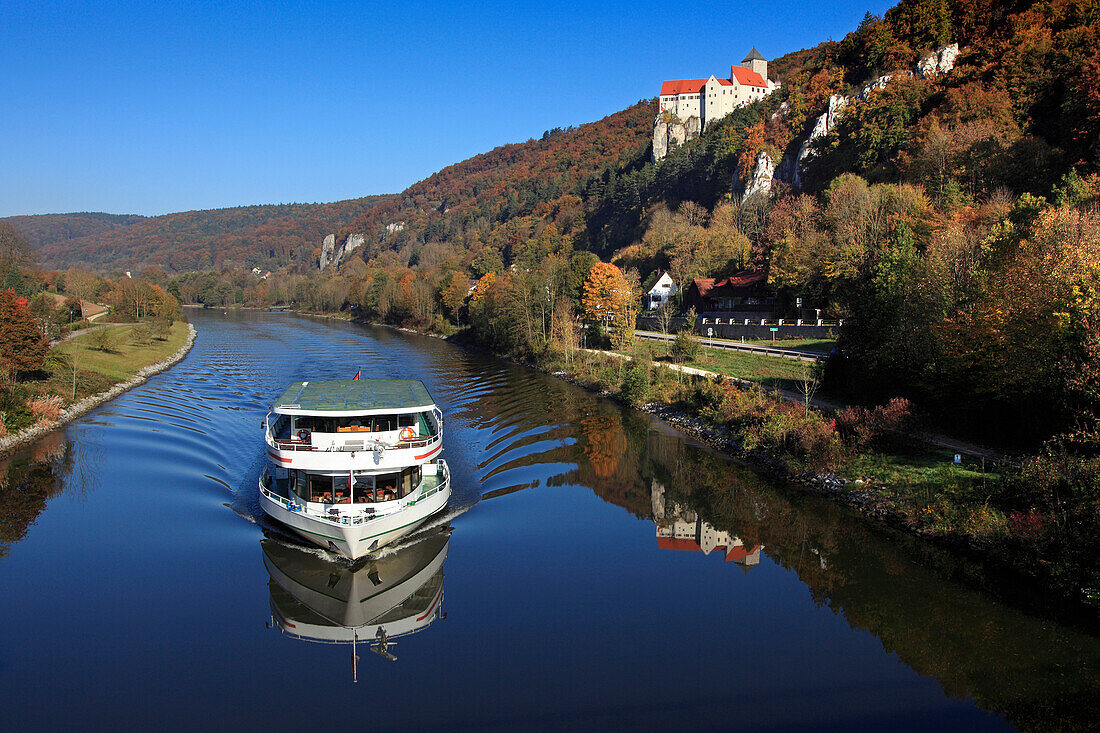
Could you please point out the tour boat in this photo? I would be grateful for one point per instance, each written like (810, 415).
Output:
(354, 464)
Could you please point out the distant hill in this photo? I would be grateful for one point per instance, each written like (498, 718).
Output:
(509, 183)
(49, 228)
(268, 236)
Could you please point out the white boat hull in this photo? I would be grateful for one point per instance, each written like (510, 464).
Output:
(355, 540)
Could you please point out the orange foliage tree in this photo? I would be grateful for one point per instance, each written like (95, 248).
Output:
(22, 347)
(609, 300)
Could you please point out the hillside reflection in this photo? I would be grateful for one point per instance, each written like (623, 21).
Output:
(939, 612)
(372, 603)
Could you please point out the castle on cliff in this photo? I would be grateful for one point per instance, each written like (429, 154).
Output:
(686, 107)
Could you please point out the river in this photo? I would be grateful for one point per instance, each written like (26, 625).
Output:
(595, 568)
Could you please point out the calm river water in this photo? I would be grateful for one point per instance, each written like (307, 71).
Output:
(595, 569)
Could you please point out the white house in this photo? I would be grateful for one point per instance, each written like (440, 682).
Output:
(662, 290)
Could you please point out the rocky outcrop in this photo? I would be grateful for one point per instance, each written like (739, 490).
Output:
(935, 64)
(333, 255)
(791, 169)
(760, 180)
(938, 62)
(871, 87)
(328, 251)
(354, 242)
(669, 131)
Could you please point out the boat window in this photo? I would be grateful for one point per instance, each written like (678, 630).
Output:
(410, 479)
(355, 424)
(297, 486)
(385, 422)
(314, 423)
(363, 490)
(341, 490)
(386, 486)
(320, 487)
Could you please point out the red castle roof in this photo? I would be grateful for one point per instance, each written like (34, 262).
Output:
(682, 86)
(735, 553)
(748, 77)
(745, 77)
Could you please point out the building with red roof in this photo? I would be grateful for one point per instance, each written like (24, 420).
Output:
(746, 293)
(711, 99)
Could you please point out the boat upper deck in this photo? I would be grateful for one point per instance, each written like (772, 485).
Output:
(345, 397)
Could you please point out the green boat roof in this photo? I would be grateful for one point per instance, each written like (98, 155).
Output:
(353, 396)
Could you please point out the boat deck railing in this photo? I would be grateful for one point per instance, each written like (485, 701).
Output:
(441, 480)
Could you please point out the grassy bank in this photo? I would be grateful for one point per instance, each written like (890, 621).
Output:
(767, 371)
(126, 352)
(86, 365)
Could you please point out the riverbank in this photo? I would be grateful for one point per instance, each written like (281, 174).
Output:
(126, 380)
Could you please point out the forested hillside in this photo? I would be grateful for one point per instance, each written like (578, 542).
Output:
(268, 236)
(44, 229)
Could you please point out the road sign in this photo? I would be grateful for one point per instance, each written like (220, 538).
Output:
(774, 330)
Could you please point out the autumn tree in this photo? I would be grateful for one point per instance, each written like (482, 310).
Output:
(22, 347)
(605, 293)
(15, 252)
(454, 293)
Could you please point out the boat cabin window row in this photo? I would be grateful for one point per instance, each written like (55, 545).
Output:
(423, 423)
(358, 489)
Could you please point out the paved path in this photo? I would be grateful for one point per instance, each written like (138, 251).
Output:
(940, 441)
(797, 354)
(83, 331)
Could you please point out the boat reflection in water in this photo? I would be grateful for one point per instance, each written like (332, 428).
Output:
(680, 528)
(373, 602)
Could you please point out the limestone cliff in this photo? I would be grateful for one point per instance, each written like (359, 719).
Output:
(935, 64)
(759, 181)
(670, 131)
(333, 255)
(938, 62)
(328, 251)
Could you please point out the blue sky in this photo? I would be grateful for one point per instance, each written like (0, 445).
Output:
(150, 107)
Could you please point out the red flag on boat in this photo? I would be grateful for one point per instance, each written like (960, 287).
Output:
(356, 375)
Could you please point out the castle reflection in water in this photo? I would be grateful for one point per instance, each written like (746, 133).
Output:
(680, 528)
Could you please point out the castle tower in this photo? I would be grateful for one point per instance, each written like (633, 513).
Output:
(757, 63)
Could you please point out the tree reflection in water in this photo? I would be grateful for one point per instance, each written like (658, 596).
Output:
(28, 480)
